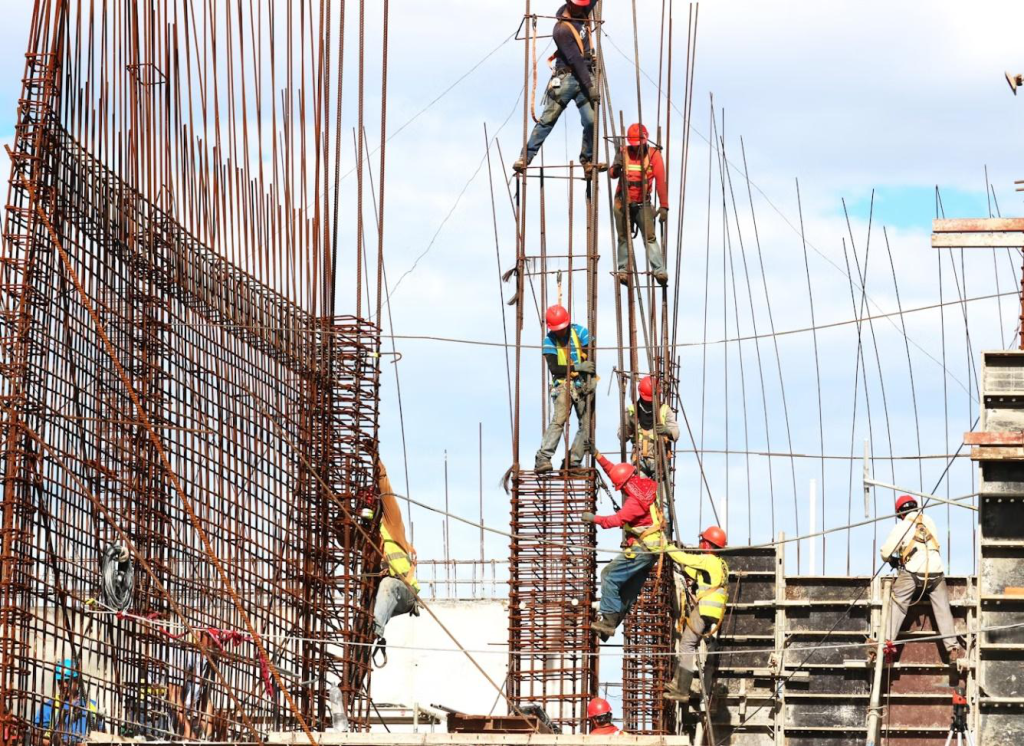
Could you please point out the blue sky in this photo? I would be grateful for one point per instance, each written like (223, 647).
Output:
(847, 97)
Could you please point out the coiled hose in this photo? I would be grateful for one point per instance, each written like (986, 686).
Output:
(118, 575)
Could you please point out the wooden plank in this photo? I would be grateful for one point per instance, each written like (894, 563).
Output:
(1008, 240)
(997, 453)
(1007, 438)
(977, 225)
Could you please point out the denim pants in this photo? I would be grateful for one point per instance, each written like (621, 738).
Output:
(556, 99)
(642, 215)
(394, 598)
(623, 578)
(562, 401)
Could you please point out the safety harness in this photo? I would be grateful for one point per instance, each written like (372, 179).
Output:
(636, 171)
(567, 20)
(564, 354)
(711, 597)
(645, 439)
(922, 537)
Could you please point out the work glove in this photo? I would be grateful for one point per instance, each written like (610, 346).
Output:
(894, 561)
(587, 367)
(661, 429)
(663, 215)
(594, 95)
(587, 517)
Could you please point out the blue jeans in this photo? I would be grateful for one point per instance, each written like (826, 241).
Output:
(394, 598)
(556, 99)
(623, 578)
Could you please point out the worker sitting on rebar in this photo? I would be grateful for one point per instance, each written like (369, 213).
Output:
(399, 589)
(641, 519)
(644, 172)
(913, 549)
(706, 593)
(572, 79)
(71, 715)
(572, 387)
(644, 429)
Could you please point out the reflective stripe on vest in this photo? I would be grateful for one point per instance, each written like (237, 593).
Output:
(711, 599)
(399, 565)
(635, 172)
(645, 438)
(563, 351)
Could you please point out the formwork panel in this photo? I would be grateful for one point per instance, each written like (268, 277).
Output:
(552, 581)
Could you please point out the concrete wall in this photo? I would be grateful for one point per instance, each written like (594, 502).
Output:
(446, 678)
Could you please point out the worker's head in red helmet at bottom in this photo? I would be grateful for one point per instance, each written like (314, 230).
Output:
(712, 538)
(578, 7)
(905, 504)
(599, 712)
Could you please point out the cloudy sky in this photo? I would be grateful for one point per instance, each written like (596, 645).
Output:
(847, 97)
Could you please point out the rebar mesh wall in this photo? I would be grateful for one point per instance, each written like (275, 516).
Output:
(553, 661)
(267, 417)
(647, 662)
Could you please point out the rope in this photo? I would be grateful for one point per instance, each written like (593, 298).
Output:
(117, 575)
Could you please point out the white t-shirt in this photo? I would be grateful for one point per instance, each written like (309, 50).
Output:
(903, 534)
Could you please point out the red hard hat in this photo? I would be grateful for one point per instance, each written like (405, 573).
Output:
(904, 500)
(581, 3)
(598, 707)
(620, 474)
(636, 135)
(557, 318)
(646, 388)
(714, 535)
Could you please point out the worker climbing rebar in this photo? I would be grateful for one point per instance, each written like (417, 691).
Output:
(573, 78)
(398, 590)
(643, 170)
(641, 519)
(706, 595)
(644, 429)
(913, 549)
(572, 387)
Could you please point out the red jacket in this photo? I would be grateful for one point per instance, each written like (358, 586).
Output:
(604, 730)
(640, 493)
(636, 166)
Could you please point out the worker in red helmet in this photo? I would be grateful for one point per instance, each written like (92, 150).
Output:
(643, 523)
(706, 593)
(912, 547)
(572, 80)
(599, 717)
(643, 170)
(572, 387)
(643, 428)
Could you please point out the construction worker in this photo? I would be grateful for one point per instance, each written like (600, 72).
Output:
(599, 717)
(71, 716)
(572, 79)
(707, 592)
(641, 519)
(913, 549)
(572, 387)
(399, 589)
(641, 427)
(644, 172)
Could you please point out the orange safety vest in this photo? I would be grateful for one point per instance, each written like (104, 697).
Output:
(635, 170)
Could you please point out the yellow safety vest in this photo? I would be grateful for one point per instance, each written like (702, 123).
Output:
(712, 589)
(563, 352)
(653, 536)
(399, 564)
(922, 536)
(645, 438)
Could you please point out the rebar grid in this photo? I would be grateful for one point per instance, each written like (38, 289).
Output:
(647, 663)
(551, 595)
(267, 416)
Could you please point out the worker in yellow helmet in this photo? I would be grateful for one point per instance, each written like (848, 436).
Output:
(707, 577)
(398, 590)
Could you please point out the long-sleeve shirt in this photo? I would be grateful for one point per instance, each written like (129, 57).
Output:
(904, 533)
(626, 429)
(655, 175)
(568, 53)
(640, 493)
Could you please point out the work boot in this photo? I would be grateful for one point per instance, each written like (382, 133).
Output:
(679, 688)
(542, 466)
(606, 625)
(661, 277)
(622, 277)
(520, 165)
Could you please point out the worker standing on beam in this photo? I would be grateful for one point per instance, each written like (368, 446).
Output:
(644, 172)
(913, 549)
(642, 520)
(572, 79)
(572, 387)
(707, 593)
(398, 590)
(642, 427)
